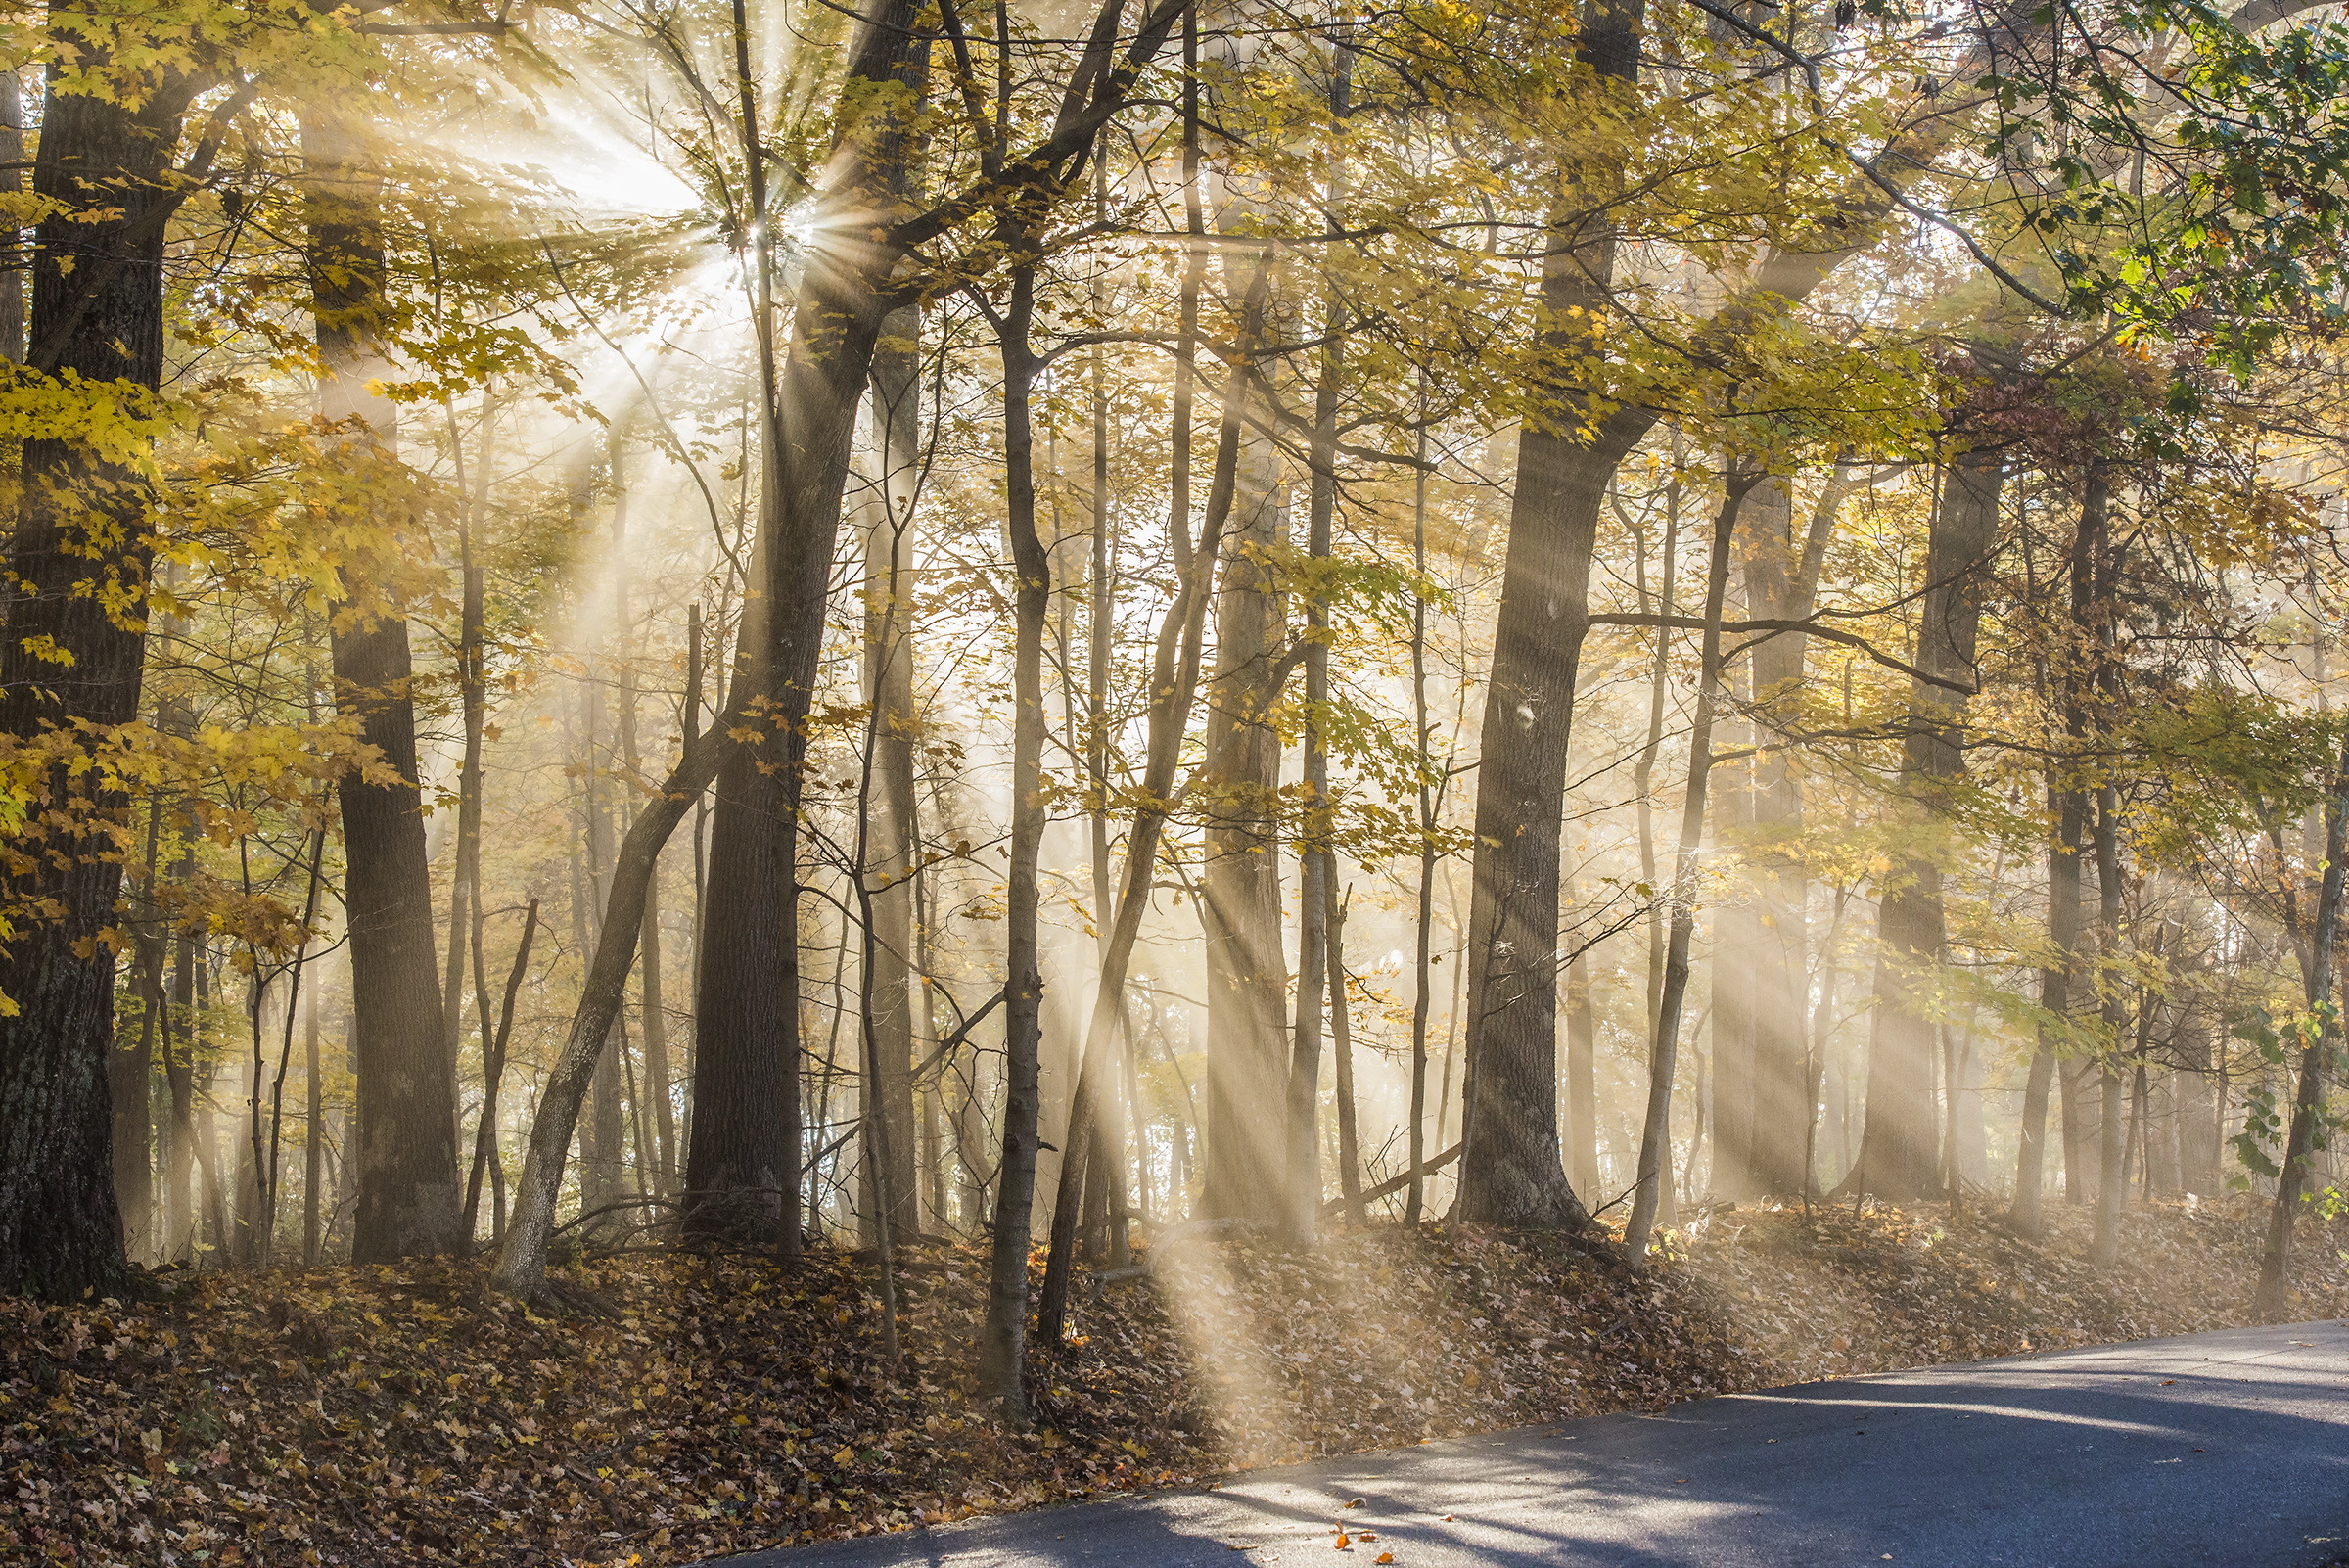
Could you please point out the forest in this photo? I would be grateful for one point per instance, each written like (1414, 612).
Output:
(810, 631)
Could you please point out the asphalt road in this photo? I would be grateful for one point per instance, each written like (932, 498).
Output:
(2212, 1450)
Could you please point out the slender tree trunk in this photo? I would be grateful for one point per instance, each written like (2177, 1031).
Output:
(1341, 1040)
(1581, 1079)
(485, 1157)
(2112, 1186)
(894, 726)
(130, 1068)
(313, 1140)
(1900, 1147)
(179, 1081)
(1655, 1138)
(1317, 862)
(2069, 804)
(2272, 1300)
(1175, 662)
(522, 1261)
(1423, 907)
(1002, 1358)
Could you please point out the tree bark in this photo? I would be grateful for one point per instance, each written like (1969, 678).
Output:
(742, 1162)
(409, 1200)
(522, 1261)
(97, 313)
(1239, 884)
(2068, 803)
(1511, 1172)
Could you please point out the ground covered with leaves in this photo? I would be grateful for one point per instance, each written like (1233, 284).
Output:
(690, 1407)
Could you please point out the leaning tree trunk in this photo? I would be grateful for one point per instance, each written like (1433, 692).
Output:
(409, 1197)
(97, 315)
(522, 1262)
(1899, 1150)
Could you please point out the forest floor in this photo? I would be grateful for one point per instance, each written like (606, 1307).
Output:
(691, 1407)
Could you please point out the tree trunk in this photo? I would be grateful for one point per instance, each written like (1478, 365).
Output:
(97, 313)
(1655, 1138)
(522, 1261)
(742, 1162)
(12, 183)
(1239, 885)
(2272, 1300)
(1511, 1172)
(2069, 804)
(1581, 1079)
(1317, 861)
(895, 728)
(1900, 1149)
(409, 1200)
(1002, 1358)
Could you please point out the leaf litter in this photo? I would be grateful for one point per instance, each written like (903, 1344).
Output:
(690, 1407)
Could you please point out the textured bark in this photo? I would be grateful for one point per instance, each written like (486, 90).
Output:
(1510, 1171)
(12, 181)
(743, 1160)
(97, 312)
(1900, 1147)
(408, 1198)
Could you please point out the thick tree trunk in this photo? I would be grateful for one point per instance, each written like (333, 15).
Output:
(1239, 885)
(1900, 1147)
(1511, 1172)
(743, 1160)
(97, 313)
(408, 1198)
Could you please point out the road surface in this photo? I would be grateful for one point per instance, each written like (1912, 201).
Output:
(2211, 1451)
